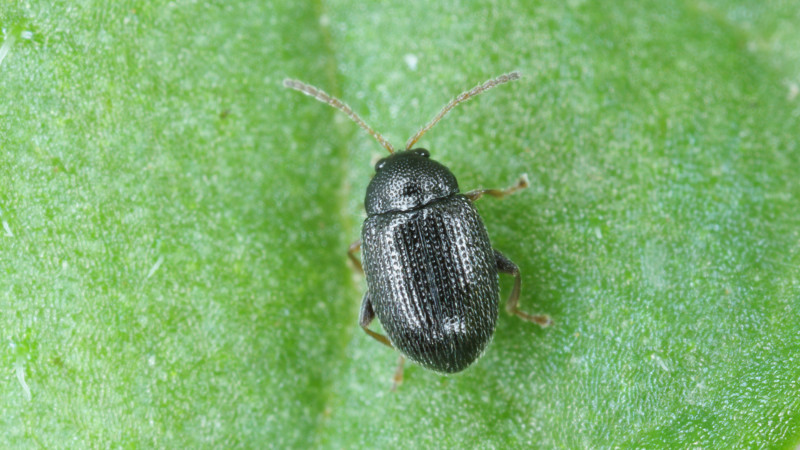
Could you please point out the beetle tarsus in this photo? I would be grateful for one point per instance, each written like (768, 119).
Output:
(397, 379)
(505, 265)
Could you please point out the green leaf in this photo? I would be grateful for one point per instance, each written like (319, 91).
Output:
(174, 222)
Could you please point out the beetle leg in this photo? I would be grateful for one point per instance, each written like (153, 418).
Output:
(351, 253)
(522, 183)
(505, 265)
(397, 380)
(365, 318)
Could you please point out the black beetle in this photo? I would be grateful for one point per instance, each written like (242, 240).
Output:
(431, 270)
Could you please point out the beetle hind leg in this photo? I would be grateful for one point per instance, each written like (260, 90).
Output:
(397, 380)
(366, 317)
(505, 265)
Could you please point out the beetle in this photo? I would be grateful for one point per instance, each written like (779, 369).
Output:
(432, 274)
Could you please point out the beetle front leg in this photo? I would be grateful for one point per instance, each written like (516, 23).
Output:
(522, 183)
(366, 317)
(351, 253)
(505, 265)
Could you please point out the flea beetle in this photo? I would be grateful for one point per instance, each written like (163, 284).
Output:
(432, 274)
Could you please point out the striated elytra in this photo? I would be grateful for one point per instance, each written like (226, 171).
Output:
(432, 274)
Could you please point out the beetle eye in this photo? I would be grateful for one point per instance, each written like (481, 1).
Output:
(379, 165)
(422, 152)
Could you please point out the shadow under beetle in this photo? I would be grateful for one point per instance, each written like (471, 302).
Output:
(431, 270)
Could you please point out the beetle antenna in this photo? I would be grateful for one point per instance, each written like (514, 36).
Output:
(464, 96)
(338, 104)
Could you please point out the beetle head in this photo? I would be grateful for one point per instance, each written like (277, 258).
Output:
(408, 180)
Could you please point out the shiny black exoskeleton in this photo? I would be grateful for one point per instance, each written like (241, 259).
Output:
(432, 274)
(431, 271)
